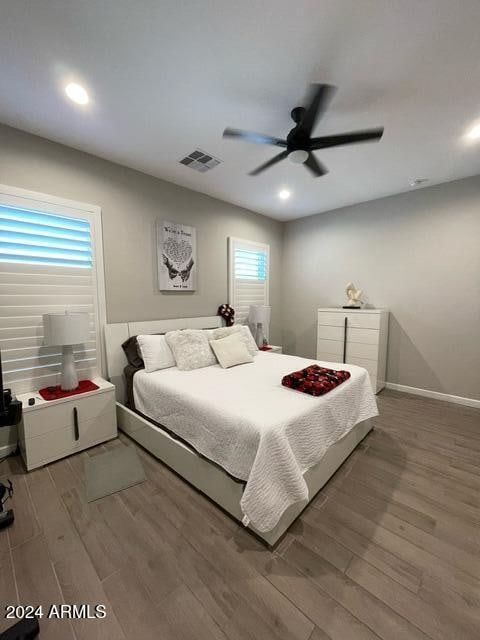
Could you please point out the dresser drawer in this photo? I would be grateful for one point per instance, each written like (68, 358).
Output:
(331, 348)
(359, 320)
(362, 336)
(334, 348)
(56, 444)
(330, 359)
(370, 365)
(53, 417)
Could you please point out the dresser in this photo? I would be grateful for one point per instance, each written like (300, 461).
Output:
(355, 336)
(57, 428)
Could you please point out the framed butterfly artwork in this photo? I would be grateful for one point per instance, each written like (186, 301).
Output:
(176, 256)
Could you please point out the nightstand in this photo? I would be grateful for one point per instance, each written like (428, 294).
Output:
(274, 349)
(53, 429)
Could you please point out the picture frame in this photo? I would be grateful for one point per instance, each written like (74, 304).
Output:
(176, 256)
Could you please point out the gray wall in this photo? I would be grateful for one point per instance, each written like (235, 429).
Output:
(131, 201)
(417, 254)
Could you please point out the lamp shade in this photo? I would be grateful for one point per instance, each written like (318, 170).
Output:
(259, 314)
(65, 328)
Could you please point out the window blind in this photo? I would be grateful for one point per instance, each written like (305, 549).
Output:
(46, 265)
(29, 237)
(250, 265)
(248, 276)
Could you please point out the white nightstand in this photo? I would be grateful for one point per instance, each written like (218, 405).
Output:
(274, 349)
(53, 429)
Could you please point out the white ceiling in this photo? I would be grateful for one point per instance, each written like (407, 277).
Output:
(167, 76)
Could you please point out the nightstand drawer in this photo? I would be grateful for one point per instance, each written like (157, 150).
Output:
(56, 444)
(52, 430)
(53, 417)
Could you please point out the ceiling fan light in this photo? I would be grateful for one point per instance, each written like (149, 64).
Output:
(298, 157)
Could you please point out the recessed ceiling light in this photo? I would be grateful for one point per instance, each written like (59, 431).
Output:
(284, 194)
(76, 93)
(474, 133)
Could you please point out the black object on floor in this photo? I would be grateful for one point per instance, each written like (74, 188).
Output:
(10, 415)
(6, 517)
(23, 630)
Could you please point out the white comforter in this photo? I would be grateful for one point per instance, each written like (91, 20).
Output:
(260, 432)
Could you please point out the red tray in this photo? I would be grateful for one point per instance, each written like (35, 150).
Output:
(55, 393)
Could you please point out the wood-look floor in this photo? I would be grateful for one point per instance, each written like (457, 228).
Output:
(389, 549)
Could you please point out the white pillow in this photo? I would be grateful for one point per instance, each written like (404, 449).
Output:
(156, 354)
(231, 350)
(244, 333)
(191, 349)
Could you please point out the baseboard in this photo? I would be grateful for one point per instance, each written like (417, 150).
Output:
(436, 395)
(7, 450)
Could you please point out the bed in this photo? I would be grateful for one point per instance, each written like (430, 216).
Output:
(257, 449)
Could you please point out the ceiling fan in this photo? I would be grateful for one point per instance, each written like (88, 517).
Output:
(299, 144)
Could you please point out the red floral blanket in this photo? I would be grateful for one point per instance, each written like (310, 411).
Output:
(315, 380)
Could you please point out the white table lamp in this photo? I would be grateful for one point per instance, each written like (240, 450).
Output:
(259, 316)
(65, 330)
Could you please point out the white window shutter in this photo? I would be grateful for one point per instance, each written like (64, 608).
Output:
(249, 267)
(47, 264)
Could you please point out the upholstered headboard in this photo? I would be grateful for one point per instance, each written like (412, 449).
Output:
(116, 334)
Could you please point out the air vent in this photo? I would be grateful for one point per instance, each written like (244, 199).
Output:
(200, 161)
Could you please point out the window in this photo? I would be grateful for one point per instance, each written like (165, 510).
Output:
(50, 260)
(248, 276)
(30, 237)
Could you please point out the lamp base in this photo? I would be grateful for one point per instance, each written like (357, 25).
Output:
(260, 337)
(69, 378)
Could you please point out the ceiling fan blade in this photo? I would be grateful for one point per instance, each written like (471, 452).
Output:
(320, 95)
(269, 163)
(315, 166)
(367, 135)
(251, 136)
